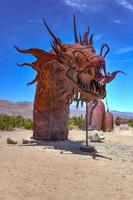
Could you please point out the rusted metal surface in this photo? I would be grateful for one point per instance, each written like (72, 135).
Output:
(67, 73)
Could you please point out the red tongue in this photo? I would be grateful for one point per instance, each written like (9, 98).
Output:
(110, 77)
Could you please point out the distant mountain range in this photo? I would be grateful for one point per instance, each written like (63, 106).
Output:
(125, 115)
(25, 109)
(16, 108)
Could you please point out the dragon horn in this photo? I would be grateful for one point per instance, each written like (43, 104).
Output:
(75, 30)
(52, 34)
(85, 38)
(80, 38)
(91, 39)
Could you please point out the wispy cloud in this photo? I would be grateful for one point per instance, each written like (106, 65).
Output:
(94, 6)
(117, 21)
(33, 21)
(78, 4)
(125, 4)
(124, 50)
(98, 37)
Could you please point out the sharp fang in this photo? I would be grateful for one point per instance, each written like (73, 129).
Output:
(84, 86)
(93, 88)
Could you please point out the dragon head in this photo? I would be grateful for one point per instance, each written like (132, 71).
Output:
(71, 71)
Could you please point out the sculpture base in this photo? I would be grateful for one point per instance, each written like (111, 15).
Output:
(88, 149)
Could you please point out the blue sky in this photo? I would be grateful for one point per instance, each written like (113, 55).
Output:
(21, 25)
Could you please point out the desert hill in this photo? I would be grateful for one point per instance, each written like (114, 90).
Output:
(16, 108)
(24, 109)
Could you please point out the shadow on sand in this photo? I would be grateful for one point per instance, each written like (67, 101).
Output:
(66, 147)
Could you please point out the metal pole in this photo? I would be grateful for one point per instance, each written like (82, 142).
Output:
(87, 148)
(86, 124)
(107, 105)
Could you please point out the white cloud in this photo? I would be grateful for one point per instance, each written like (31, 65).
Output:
(125, 4)
(97, 37)
(117, 21)
(78, 4)
(124, 50)
(93, 6)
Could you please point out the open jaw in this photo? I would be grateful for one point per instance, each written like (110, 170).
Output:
(94, 88)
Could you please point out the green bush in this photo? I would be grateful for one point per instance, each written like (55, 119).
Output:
(27, 124)
(130, 122)
(18, 121)
(8, 123)
(76, 122)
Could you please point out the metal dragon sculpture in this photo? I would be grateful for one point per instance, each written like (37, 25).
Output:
(67, 73)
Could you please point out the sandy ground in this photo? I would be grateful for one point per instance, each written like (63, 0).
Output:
(60, 171)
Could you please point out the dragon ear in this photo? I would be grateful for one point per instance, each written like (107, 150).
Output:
(35, 52)
(101, 51)
(75, 30)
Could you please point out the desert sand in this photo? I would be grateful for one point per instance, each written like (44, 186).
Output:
(60, 171)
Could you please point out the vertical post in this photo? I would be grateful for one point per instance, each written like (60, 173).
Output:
(107, 105)
(86, 124)
(87, 148)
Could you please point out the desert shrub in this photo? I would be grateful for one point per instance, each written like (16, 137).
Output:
(76, 122)
(8, 123)
(27, 124)
(18, 121)
(130, 122)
